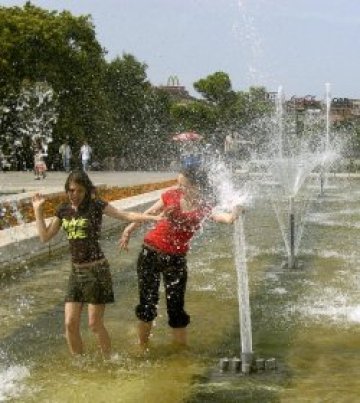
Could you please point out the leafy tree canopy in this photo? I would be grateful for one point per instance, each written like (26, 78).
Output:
(41, 45)
(215, 88)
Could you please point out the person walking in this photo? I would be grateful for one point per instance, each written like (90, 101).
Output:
(65, 152)
(165, 248)
(40, 167)
(85, 154)
(90, 280)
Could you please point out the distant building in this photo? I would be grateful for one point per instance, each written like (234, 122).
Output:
(272, 96)
(341, 109)
(175, 90)
(300, 104)
(356, 107)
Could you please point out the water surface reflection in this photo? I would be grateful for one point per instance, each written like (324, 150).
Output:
(307, 318)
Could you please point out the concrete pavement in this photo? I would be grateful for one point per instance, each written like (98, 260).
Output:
(24, 182)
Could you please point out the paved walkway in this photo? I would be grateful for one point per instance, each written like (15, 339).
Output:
(14, 182)
(24, 182)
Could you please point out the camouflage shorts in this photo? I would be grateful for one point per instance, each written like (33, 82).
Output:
(91, 285)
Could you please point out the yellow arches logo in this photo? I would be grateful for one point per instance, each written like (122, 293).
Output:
(173, 81)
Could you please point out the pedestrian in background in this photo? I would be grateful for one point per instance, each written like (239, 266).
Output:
(40, 167)
(65, 151)
(85, 154)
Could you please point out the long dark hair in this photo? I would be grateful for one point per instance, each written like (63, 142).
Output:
(81, 178)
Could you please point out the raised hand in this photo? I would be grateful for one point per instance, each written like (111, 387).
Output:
(38, 201)
(124, 241)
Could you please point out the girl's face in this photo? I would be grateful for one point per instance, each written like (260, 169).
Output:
(76, 194)
(187, 187)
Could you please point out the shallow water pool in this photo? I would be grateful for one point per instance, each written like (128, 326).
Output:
(307, 318)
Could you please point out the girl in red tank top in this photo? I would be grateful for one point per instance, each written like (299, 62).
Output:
(164, 251)
(173, 234)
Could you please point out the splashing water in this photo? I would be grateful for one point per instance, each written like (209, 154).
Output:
(328, 106)
(243, 292)
(11, 378)
(279, 119)
(228, 198)
(34, 115)
(292, 172)
(289, 161)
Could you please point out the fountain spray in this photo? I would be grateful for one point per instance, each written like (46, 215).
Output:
(279, 118)
(229, 198)
(243, 295)
(291, 256)
(246, 363)
(328, 106)
(327, 138)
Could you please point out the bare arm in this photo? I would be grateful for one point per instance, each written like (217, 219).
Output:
(125, 236)
(46, 232)
(113, 212)
(228, 218)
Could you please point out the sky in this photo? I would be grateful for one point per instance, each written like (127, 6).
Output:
(297, 44)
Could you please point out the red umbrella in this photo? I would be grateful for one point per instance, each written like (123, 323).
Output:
(187, 136)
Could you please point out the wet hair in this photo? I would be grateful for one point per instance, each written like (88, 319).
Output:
(196, 177)
(199, 178)
(81, 178)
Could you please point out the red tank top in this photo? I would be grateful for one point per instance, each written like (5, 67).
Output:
(173, 234)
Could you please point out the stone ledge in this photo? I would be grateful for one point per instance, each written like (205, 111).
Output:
(20, 244)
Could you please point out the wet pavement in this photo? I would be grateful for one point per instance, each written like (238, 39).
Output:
(24, 182)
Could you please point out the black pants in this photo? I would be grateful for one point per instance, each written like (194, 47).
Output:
(174, 271)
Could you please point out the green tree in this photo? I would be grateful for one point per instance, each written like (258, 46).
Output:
(197, 115)
(125, 85)
(140, 113)
(154, 144)
(37, 45)
(258, 103)
(215, 88)
(231, 110)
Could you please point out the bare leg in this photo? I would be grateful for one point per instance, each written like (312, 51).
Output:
(72, 327)
(180, 336)
(96, 324)
(144, 330)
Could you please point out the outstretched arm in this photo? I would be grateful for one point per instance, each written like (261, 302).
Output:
(111, 211)
(46, 232)
(228, 218)
(125, 236)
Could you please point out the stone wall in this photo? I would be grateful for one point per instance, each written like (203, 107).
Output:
(20, 245)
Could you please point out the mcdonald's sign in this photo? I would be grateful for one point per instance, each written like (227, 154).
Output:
(173, 81)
